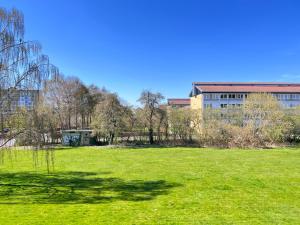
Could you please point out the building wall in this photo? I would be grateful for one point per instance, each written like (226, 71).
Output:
(197, 102)
(214, 100)
(197, 105)
(76, 137)
(18, 98)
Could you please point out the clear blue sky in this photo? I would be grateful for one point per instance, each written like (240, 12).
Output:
(164, 45)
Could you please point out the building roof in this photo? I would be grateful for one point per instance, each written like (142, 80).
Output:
(74, 131)
(292, 88)
(179, 101)
(246, 83)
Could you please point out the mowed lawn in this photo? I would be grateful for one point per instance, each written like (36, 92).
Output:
(153, 186)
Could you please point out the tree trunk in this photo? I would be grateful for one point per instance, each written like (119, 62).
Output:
(111, 138)
(151, 141)
(2, 123)
(82, 121)
(76, 119)
(69, 119)
(166, 133)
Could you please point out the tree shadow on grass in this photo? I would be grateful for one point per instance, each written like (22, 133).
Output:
(76, 188)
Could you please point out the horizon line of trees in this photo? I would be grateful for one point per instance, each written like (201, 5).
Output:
(65, 102)
(260, 122)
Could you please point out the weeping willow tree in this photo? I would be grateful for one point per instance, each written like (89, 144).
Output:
(23, 69)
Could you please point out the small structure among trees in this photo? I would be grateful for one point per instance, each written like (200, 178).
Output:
(76, 137)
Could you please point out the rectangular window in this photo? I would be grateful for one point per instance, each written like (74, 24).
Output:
(208, 106)
(25, 101)
(207, 96)
(224, 96)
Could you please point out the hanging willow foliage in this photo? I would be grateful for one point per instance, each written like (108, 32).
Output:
(22, 70)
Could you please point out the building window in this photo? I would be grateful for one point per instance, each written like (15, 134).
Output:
(25, 101)
(208, 106)
(224, 96)
(281, 96)
(223, 106)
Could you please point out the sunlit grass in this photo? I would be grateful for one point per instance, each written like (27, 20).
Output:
(152, 186)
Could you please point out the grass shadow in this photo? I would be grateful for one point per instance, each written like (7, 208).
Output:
(76, 188)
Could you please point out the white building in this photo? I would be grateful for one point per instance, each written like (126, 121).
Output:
(232, 94)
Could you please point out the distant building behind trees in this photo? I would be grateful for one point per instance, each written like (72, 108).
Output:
(19, 99)
(237, 114)
(179, 102)
(220, 95)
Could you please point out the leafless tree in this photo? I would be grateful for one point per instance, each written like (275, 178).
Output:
(150, 102)
(109, 118)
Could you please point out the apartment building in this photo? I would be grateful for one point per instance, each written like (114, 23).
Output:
(13, 99)
(217, 95)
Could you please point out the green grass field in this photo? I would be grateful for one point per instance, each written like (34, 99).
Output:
(153, 186)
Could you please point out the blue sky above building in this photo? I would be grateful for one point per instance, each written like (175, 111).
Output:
(163, 45)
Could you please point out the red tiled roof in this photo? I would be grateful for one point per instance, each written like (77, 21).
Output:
(249, 89)
(246, 83)
(179, 101)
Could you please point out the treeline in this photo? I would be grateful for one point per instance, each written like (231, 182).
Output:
(260, 122)
(67, 103)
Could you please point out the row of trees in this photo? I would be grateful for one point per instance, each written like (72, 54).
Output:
(260, 122)
(67, 103)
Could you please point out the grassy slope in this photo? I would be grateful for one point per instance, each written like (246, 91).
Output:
(154, 186)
